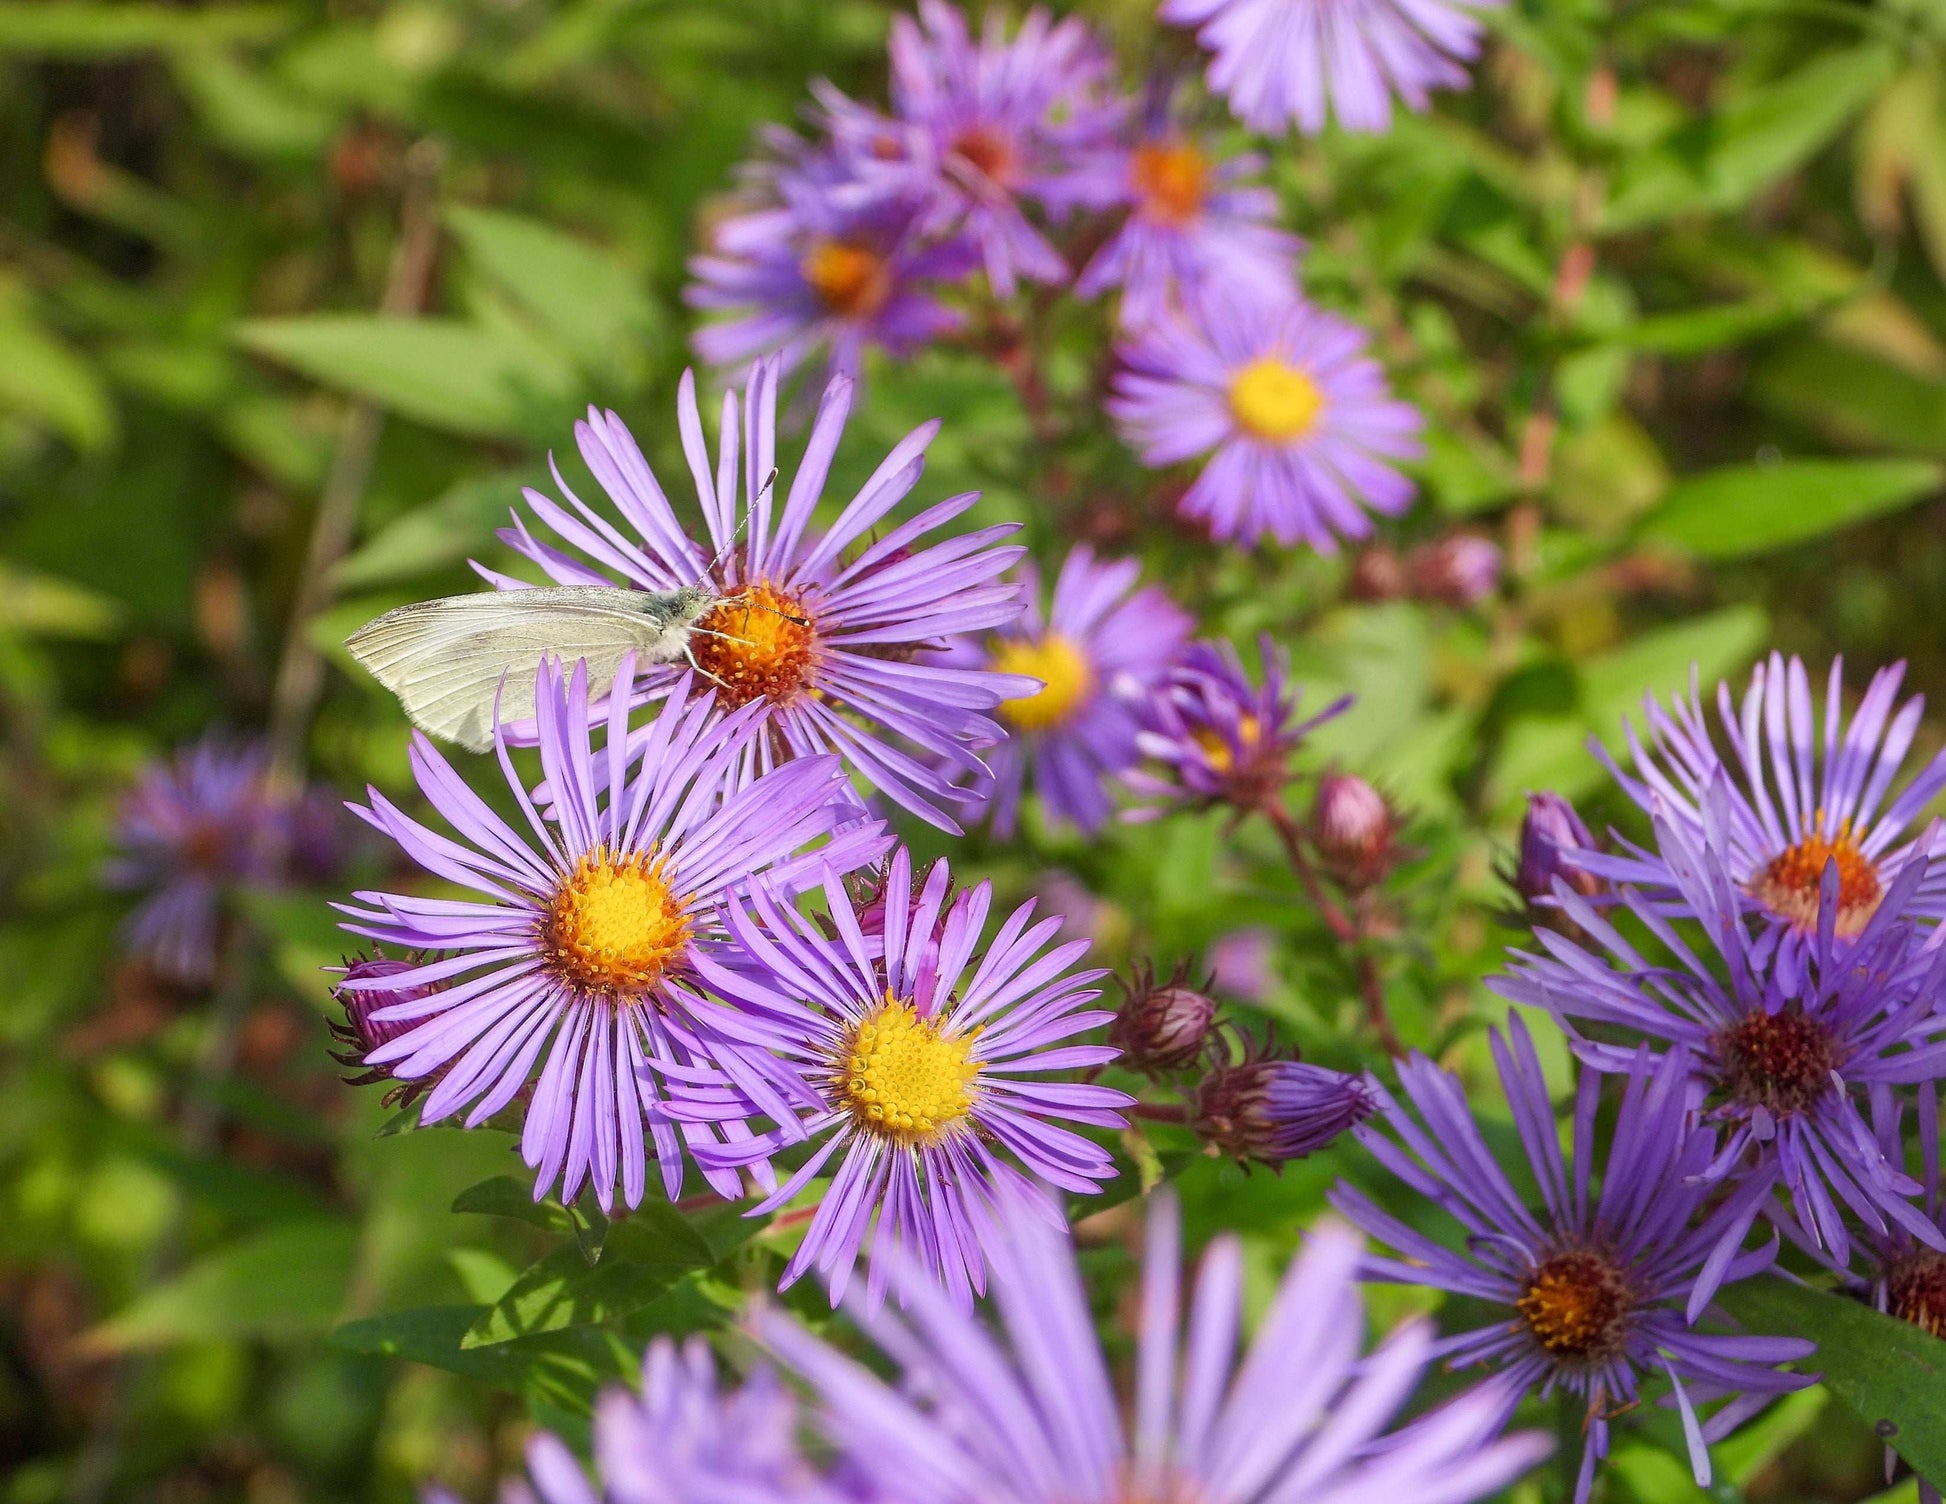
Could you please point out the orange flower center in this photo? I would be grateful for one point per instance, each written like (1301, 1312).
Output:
(615, 926)
(1915, 1290)
(982, 149)
(850, 280)
(1171, 180)
(1790, 884)
(1577, 1304)
(764, 646)
(1778, 1061)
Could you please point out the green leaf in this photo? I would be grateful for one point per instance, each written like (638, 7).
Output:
(247, 110)
(1853, 397)
(1747, 509)
(644, 1255)
(46, 381)
(70, 28)
(596, 308)
(506, 1196)
(1891, 1374)
(282, 1282)
(442, 532)
(564, 1368)
(47, 606)
(487, 382)
(1660, 662)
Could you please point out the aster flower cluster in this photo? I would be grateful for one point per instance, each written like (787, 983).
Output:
(1012, 157)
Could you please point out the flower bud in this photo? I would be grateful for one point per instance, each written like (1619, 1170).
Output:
(1377, 575)
(1550, 830)
(361, 1031)
(1353, 830)
(1161, 1028)
(1461, 570)
(1275, 1110)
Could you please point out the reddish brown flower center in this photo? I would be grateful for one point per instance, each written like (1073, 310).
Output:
(757, 643)
(850, 280)
(1915, 1290)
(1171, 181)
(206, 846)
(1790, 884)
(982, 149)
(1576, 1305)
(1779, 1061)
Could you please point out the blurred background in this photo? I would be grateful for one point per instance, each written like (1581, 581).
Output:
(296, 295)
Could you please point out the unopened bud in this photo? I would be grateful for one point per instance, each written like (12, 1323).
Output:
(1276, 1110)
(1549, 834)
(1377, 575)
(1353, 830)
(362, 1031)
(1161, 1028)
(1461, 570)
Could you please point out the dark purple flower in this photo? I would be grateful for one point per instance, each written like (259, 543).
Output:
(1594, 1289)
(592, 929)
(1800, 798)
(1023, 1410)
(1096, 655)
(1298, 426)
(1273, 1110)
(921, 1060)
(1161, 1026)
(191, 832)
(361, 1030)
(828, 647)
(1210, 736)
(1551, 834)
(1281, 63)
(1782, 1056)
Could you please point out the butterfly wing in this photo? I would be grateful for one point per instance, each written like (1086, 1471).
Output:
(447, 660)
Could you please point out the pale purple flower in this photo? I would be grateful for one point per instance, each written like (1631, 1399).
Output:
(923, 1059)
(1801, 797)
(1781, 1057)
(1243, 963)
(1594, 1290)
(1097, 654)
(1025, 1411)
(1194, 218)
(191, 833)
(996, 124)
(1281, 63)
(1210, 736)
(583, 950)
(687, 1438)
(1292, 417)
(822, 631)
(814, 267)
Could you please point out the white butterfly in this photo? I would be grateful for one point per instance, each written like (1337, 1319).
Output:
(452, 661)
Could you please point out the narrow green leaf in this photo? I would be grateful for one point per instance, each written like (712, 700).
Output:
(564, 1367)
(1747, 509)
(282, 1282)
(1659, 662)
(72, 28)
(507, 1196)
(469, 378)
(1888, 1372)
(442, 532)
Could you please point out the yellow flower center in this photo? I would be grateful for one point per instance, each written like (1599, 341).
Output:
(851, 281)
(1576, 1304)
(1216, 746)
(904, 1077)
(763, 646)
(1067, 679)
(1789, 885)
(615, 926)
(1274, 401)
(1171, 179)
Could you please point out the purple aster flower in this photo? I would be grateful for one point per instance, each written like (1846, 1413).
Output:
(817, 267)
(1281, 63)
(1028, 1413)
(923, 1063)
(191, 831)
(1781, 1057)
(1552, 834)
(687, 1439)
(594, 929)
(1194, 218)
(826, 646)
(1210, 736)
(1592, 1290)
(996, 124)
(1097, 654)
(1273, 1110)
(1295, 417)
(1791, 812)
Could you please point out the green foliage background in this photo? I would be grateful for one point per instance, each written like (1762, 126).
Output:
(1667, 281)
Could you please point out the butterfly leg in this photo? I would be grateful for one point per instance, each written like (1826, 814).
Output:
(690, 654)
